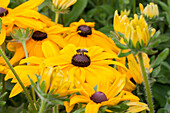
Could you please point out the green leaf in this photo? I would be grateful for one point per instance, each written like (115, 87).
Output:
(119, 45)
(162, 56)
(95, 88)
(123, 54)
(154, 44)
(149, 51)
(42, 86)
(156, 71)
(3, 95)
(76, 11)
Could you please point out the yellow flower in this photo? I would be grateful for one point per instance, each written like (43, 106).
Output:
(120, 22)
(138, 31)
(55, 80)
(38, 44)
(135, 107)
(22, 16)
(106, 95)
(88, 63)
(63, 4)
(83, 34)
(151, 10)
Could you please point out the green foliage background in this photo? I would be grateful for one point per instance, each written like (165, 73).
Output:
(102, 12)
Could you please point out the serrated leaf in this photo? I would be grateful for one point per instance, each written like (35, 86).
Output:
(160, 57)
(77, 9)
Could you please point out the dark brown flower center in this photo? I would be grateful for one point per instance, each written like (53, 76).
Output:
(81, 59)
(84, 30)
(3, 12)
(39, 36)
(98, 97)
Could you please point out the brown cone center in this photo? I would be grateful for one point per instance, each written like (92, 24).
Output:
(84, 30)
(98, 97)
(39, 36)
(81, 60)
(3, 12)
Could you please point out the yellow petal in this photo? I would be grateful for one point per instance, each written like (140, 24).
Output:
(92, 107)
(31, 4)
(16, 90)
(79, 98)
(50, 49)
(2, 35)
(68, 107)
(32, 59)
(116, 87)
(4, 3)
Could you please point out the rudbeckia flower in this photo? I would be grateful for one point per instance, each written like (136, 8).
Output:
(120, 22)
(83, 34)
(88, 63)
(37, 44)
(22, 16)
(138, 31)
(151, 10)
(106, 95)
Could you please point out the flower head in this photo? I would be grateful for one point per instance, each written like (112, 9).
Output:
(83, 34)
(151, 10)
(88, 63)
(106, 95)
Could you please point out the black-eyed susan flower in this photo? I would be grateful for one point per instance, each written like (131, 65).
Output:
(151, 10)
(83, 34)
(106, 95)
(87, 63)
(37, 44)
(138, 32)
(23, 16)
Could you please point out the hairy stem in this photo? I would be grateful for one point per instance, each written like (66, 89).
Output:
(146, 83)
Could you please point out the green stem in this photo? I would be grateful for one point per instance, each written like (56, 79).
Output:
(43, 106)
(146, 83)
(26, 55)
(134, 6)
(3, 91)
(19, 80)
(56, 17)
(25, 49)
